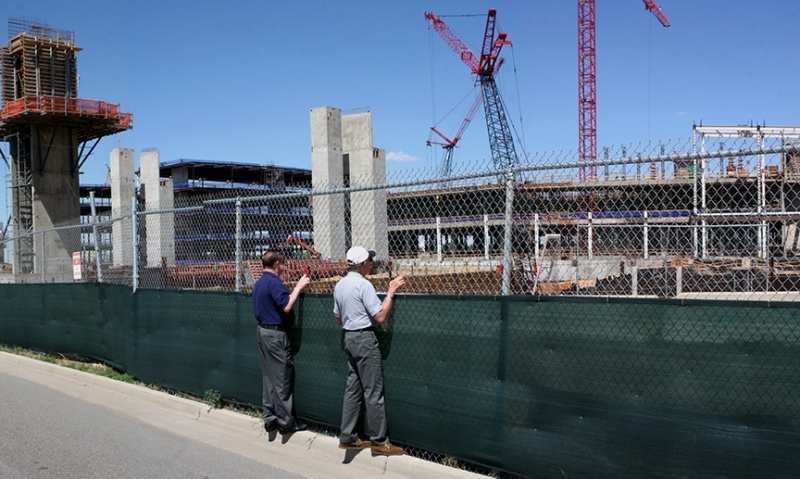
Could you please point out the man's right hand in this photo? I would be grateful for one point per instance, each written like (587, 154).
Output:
(303, 282)
(396, 284)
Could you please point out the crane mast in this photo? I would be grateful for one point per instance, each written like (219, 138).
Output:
(587, 83)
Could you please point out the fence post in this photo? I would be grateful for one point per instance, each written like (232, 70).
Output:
(96, 239)
(134, 236)
(704, 222)
(487, 240)
(536, 238)
(646, 239)
(508, 258)
(439, 239)
(589, 240)
(42, 256)
(238, 244)
(762, 200)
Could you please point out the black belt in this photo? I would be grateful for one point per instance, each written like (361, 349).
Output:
(274, 327)
(371, 328)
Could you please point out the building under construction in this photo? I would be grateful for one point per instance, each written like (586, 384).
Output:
(726, 217)
(51, 132)
(690, 223)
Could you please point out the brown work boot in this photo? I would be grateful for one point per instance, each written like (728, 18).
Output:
(357, 444)
(387, 449)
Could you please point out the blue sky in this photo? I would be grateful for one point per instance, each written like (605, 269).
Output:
(235, 80)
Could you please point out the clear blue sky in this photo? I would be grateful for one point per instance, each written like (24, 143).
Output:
(235, 80)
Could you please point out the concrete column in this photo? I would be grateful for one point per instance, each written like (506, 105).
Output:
(158, 195)
(328, 173)
(369, 226)
(123, 188)
(55, 200)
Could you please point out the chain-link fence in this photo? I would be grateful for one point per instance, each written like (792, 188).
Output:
(666, 220)
(680, 354)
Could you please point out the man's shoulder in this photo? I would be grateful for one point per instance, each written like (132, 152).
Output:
(269, 280)
(352, 279)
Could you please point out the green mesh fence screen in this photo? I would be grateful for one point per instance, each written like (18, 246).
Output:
(538, 387)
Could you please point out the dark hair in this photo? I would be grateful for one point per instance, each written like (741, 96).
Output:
(270, 258)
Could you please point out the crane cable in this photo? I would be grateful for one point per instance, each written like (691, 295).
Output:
(519, 101)
(433, 90)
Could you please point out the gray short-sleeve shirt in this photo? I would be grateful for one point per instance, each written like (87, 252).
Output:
(356, 302)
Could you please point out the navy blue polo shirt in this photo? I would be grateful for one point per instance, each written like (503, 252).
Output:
(270, 296)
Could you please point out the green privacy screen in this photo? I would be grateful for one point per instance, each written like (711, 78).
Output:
(541, 387)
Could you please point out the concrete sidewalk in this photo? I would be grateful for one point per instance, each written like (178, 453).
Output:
(305, 453)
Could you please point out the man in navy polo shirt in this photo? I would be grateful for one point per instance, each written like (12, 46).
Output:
(272, 306)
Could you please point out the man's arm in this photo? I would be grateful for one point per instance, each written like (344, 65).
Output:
(301, 285)
(338, 321)
(388, 301)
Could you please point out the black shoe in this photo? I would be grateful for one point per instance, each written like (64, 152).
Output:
(270, 427)
(298, 426)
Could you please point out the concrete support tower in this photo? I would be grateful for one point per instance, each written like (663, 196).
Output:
(48, 129)
(328, 173)
(158, 195)
(368, 219)
(342, 156)
(123, 189)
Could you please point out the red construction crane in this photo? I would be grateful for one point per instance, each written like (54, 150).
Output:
(501, 141)
(587, 82)
(449, 145)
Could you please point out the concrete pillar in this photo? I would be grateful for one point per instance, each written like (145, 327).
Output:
(158, 195)
(56, 200)
(45, 193)
(367, 167)
(123, 188)
(327, 171)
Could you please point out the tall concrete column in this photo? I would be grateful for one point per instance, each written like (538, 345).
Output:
(55, 200)
(158, 195)
(367, 168)
(327, 171)
(123, 188)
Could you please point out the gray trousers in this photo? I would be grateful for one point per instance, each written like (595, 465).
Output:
(277, 365)
(364, 383)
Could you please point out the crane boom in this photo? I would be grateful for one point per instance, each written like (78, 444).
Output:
(451, 39)
(651, 5)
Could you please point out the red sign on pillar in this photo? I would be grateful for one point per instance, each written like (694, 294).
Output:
(76, 266)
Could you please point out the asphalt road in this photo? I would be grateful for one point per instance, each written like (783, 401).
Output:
(48, 434)
(57, 422)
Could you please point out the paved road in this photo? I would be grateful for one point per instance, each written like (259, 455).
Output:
(57, 422)
(47, 434)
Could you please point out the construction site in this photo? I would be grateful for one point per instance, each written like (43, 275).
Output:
(670, 221)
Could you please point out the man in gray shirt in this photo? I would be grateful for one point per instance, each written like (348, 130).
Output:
(358, 311)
